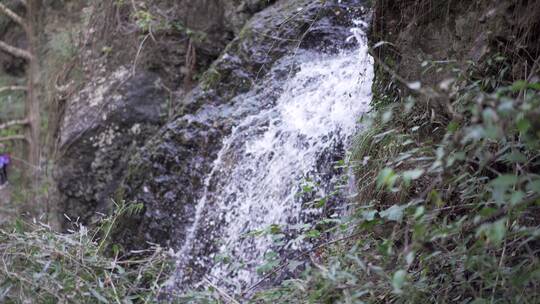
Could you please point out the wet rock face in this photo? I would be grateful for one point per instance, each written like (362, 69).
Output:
(168, 173)
(102, 125)
(117, 111)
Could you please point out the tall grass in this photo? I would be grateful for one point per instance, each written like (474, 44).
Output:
(39, 265)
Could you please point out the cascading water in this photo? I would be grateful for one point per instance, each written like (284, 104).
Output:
(291, 129)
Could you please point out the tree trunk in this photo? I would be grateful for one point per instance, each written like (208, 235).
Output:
(32, 100)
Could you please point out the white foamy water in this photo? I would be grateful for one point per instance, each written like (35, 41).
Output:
(255, 180)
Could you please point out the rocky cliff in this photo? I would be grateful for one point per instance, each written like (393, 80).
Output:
(110, 146)
(134, 65)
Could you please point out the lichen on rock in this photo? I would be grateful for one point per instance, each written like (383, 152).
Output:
(102, 126)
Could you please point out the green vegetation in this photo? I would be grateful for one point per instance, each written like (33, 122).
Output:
(447, 209)
(40, 265)
(446, 212)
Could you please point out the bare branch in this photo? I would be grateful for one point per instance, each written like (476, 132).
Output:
(12, 138)
(9, 124)
(12, 88)
(11, 14)
(15, 51)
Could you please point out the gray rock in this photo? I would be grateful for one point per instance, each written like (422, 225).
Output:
(168, 173)
(115, 112)
(102, 125)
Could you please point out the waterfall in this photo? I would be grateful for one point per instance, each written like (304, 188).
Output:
(289, 130)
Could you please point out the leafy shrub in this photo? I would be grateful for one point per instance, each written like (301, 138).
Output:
(448, 204)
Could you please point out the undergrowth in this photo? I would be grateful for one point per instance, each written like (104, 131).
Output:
(40, 265)
(448, 205)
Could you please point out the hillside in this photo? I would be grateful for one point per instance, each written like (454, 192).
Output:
(257, 151)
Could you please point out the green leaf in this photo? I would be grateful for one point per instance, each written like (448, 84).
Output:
(519, 85)
(19, 225)
(453, 127)
(98, 296)
(267, 267)
(494, 232)
(369, 215)
(523, 125)
(460, 155)
(387, 177)
(534, 186)
(474, 133)
(412, 174)
(506, 107)
(409, 258)
(385, 247)
(534, 86)
(489, 115)
(515, 157)
(294, 264)
(398, 280)
(116, 249)
(504, 181)
(387, 116)
(274, 229)
(255, 233)
(394, 213)
(517, 197)
(522, 85)
(321, 202)
(497, 231)
(493, 132)
(307, 188)
(419, 212)
(313, 233)
(487, 211)
(435, 198)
